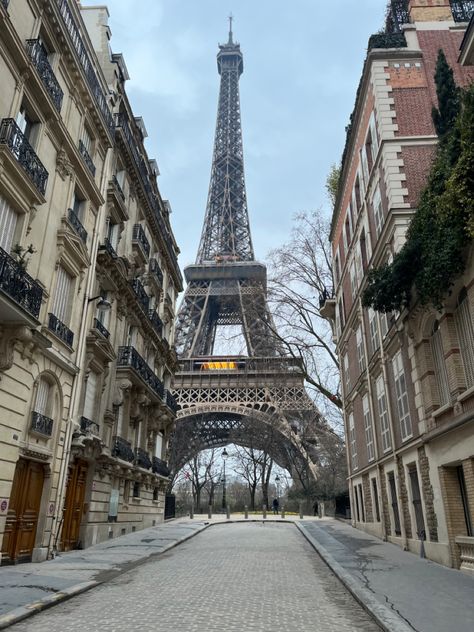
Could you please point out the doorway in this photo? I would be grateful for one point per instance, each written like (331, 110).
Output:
(23, 512)
(74, 505)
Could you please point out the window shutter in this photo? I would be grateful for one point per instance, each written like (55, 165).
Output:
(61, 298)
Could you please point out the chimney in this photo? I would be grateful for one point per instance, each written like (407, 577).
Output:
(430, 10)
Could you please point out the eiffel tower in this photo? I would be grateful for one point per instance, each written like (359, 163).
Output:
(257, 399)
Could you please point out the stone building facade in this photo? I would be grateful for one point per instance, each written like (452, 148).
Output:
(408, 380)
(86, 312)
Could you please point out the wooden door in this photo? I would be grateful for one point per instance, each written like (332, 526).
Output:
(74, 504)
(23, 512)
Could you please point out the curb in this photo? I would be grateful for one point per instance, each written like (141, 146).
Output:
(386, 618)
(30, 609)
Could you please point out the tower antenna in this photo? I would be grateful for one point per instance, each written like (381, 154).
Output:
(231, 19)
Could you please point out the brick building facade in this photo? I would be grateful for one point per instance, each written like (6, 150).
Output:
(408, 382)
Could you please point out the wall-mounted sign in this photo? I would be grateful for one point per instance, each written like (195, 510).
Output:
(3, 505)
(219, 366)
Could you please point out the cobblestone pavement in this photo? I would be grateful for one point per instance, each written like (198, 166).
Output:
(253, 577)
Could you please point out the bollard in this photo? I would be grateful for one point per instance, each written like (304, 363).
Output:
(283, 513)
(191, 512)
(246, 509)
(301, 511)
(264, 511)
(209, 512)
(228, 512)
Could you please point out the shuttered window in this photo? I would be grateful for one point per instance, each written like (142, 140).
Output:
(90, 398)
(42, 397)
(8, 220)
(440, 365)
(61, 297)
(465, 328)
(383, 414)
(402, 396)
(353, 443)
(369, 435)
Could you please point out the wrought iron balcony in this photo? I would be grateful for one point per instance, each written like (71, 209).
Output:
(107, 245)
(119, 189)
(86, 156)
(101, 328)
(156, 322)
(139, 237)
(142, 459)
(60, 329)
(171, 402)
(12, 136)
(76, 224)
(40, 60)
(41, 424)
(160, 467)
(89, 427)
(85, 62)
(398, 14)
(462, 10)
(155, 270)
(19, 286)
(140, 293)
(129, 357)
(123, 450)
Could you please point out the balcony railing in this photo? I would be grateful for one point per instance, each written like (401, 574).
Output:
(84, 60)
(123, 450)
(160, 467)
(140, 293)
(89, 427)
(19, 286)
(462, 10)
(76, 224)
(86, 156)
(129, 357)
(101, 328)
(116, 184)
(156, 322)
(12, 136)
(40, 60)
(142, 459)
(139, 237)
(397, 14)
(107, 245)
(156, 272)
(60, 329)
(42, 424)
(171, 402)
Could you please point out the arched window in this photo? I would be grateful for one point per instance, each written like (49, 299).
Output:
(439, 364)
(465, 329)
(43, 411)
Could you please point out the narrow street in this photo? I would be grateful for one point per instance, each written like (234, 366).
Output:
(253, 577)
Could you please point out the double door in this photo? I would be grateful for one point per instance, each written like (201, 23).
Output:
(23, 512)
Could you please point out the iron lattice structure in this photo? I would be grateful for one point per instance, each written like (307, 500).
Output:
(257, 399)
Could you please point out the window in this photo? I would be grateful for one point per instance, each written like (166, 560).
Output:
(363, 252)
(126, 491)
(42, 397)
(416, 499)
(374, 333)
(361, 500)
(352, 441)
(465, 329)
(360, 349)
(337, 270)
(358, 264)
(358, 199)
(25, 122)
(77, 205)
(86, 140)
(356, 496)
(365, 167)
(383, 414)
(341, 311)
(374, 141)
(375, 496)
(384, 325)
(402, 396)
(136, 489)
(348, 231)
(159, 445)
(155, 494)
(131, 336)
(103, 315)
(394, 502)
(439, 364)
(353, 275)
(113, 234)
(464, 500)
(8, 222)
(378, 211)
(62, 294)
(369, 435)
(347, 375)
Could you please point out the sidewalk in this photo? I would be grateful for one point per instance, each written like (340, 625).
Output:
(29, 588)
(402, 591)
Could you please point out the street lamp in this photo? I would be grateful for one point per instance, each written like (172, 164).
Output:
(224, 502)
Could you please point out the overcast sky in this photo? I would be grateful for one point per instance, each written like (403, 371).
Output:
(302, 63)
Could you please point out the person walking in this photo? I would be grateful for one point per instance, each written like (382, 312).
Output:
(275, 506)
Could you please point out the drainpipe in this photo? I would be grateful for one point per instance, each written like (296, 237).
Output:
(80, 361)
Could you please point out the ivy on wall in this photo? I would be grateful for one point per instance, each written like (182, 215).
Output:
(442, 227)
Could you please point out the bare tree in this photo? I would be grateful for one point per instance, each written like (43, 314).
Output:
(300, 279)
(248, 467)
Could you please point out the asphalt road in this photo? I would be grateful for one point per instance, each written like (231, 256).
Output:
(250, 577)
